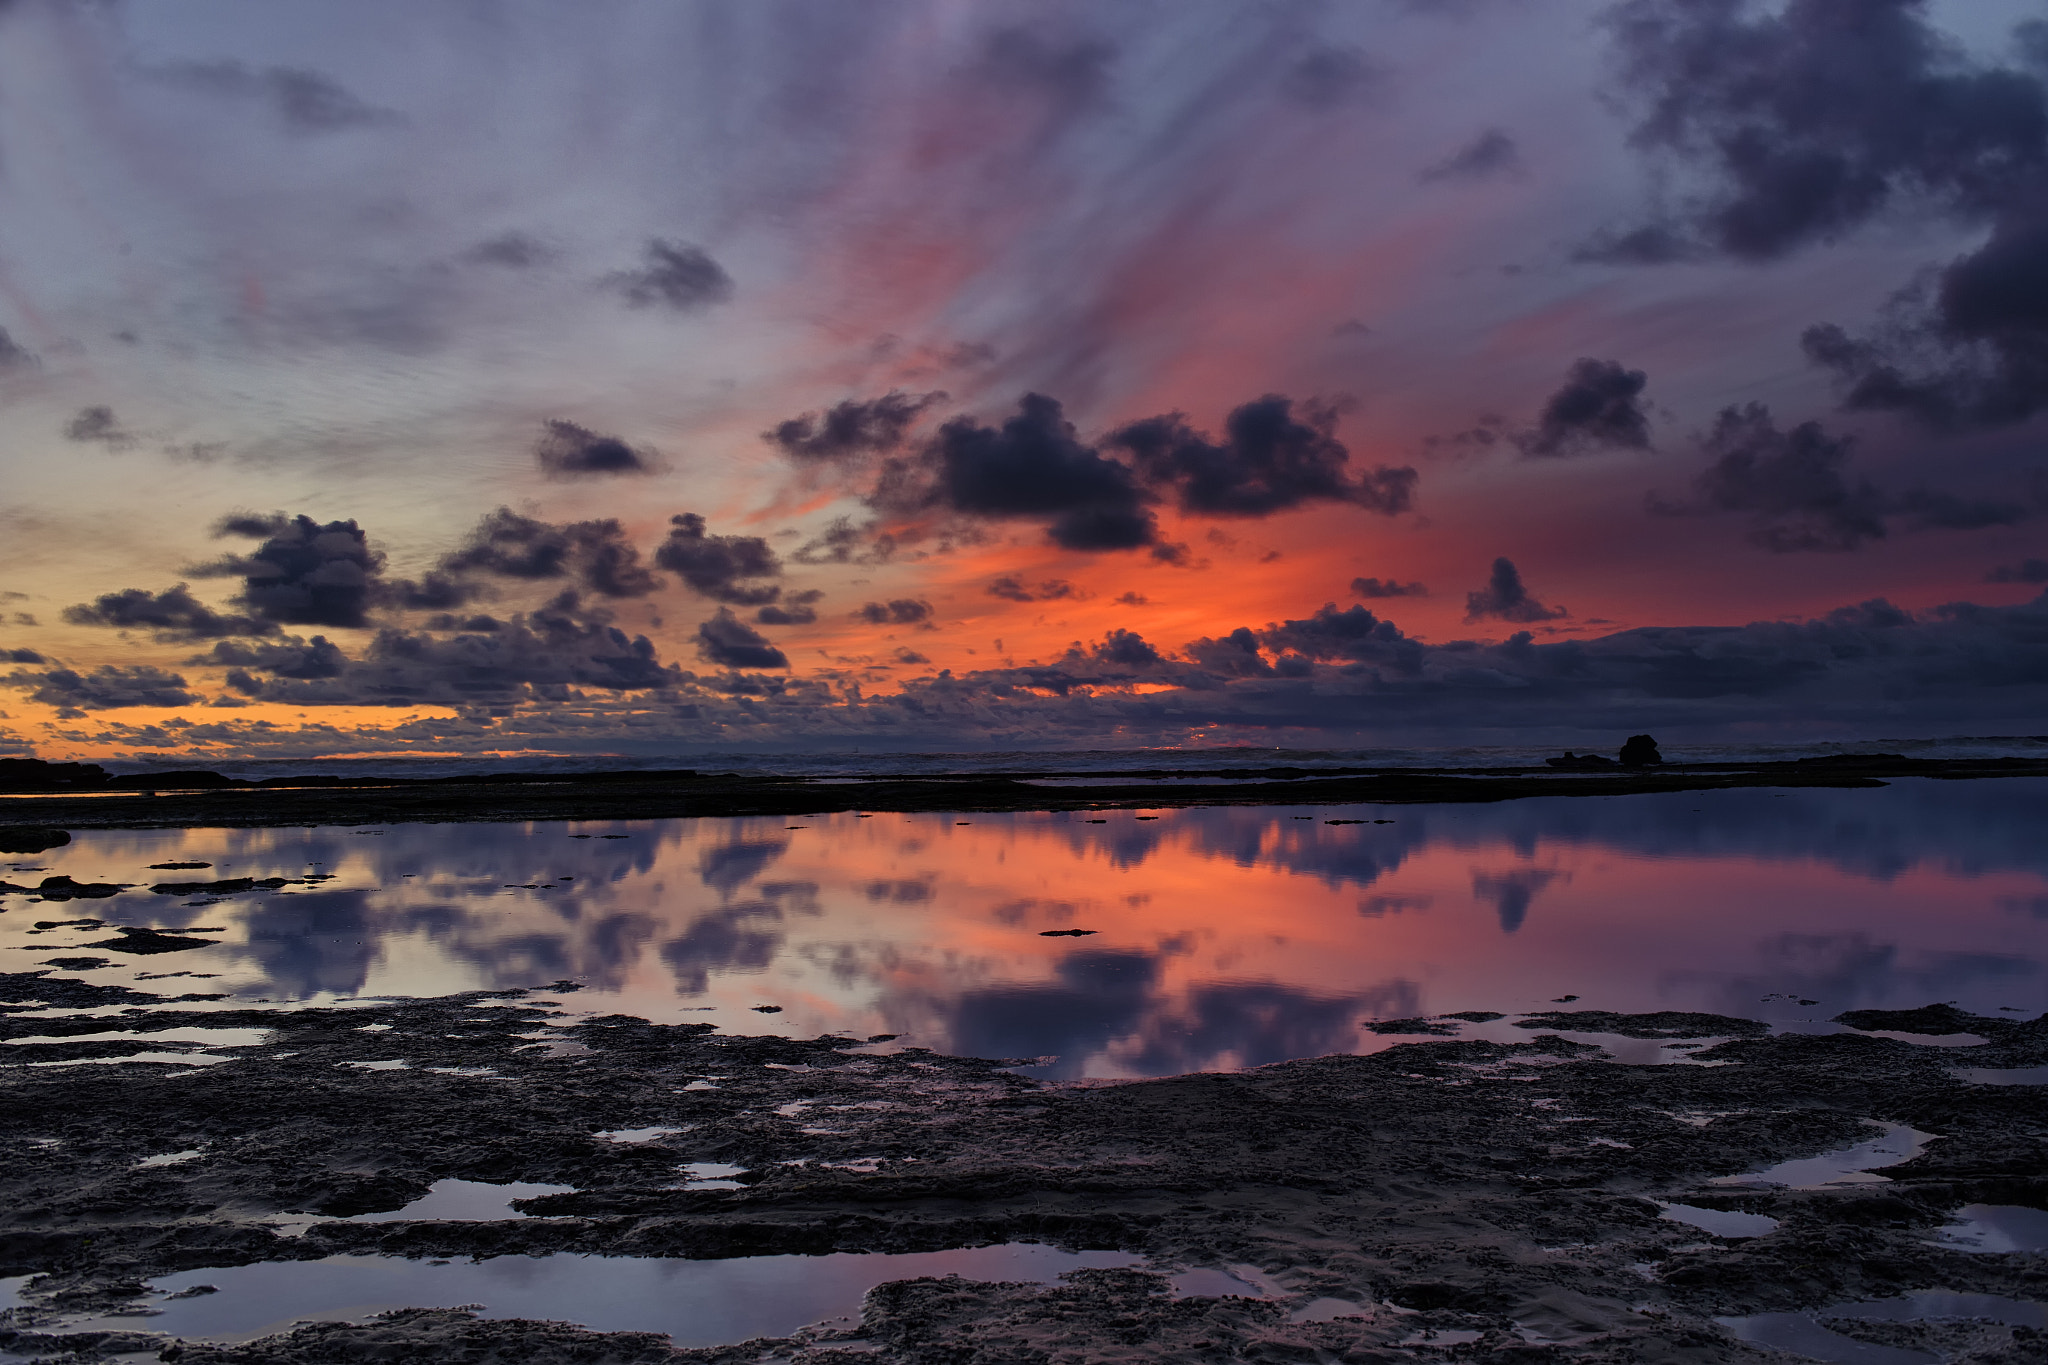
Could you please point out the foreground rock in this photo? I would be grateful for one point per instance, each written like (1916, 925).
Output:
(1508, 1192)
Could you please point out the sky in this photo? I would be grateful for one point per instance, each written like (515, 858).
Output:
(646, 378)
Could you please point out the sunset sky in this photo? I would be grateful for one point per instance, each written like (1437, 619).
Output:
(644, 378)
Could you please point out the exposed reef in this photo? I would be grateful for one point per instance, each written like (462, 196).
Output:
(1457, 1199)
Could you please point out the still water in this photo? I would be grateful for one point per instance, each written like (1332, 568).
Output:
(1217, 938)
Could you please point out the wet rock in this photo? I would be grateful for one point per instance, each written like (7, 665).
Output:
(75, 1346)
(31, 838)
(1662, 1024)
(65, 889)
(1432, 1027)
(1572, 762)
(1066, 933)
(146, 940)
(78, 964)
(227, 886)
(177, 867)
(1462, 1179)
(1640, 751)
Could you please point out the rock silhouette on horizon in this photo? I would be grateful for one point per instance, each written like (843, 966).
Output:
(1640, 752)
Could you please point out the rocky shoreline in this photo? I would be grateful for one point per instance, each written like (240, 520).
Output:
(1466, 1200)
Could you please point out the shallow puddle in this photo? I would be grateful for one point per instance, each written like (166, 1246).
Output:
(1802, 1336)
(1857, 1165)
(1997, 1228)
(1720, 1222)
(695, 1303)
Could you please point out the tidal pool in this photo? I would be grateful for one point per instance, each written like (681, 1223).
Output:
(1120, 943)
(694, 1303)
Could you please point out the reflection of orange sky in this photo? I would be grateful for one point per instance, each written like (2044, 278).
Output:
(890, 924)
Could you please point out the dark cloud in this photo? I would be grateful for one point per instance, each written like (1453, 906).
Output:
(432, 591)
(505, 544)
(844, 543)
(305, 573)
(1504, 598)
(1353, 633)
(533, 657)
(1074, 71)
(1269, 461)
(1599, 408)
(1810, 120)
(795, 609)
(1126, 649)
(1790, 482)
(98, 426)
(903, 655)
(1799, 496)
(677, 276)
(251, 525)
(1933, 509)
(300, 660)
(1492, 153)
(12, 355)
(1651, 244)
(729, 642)
(899, 611)
(2026, 571)
(1035, 467)
(304, 101)
(513, 250)
(106, 688)
(1235, 655)
(1387, 587)
(1014, 589)
(21, 656)
(513, 546)
(1327, 77)
(714, 566)
(1970, 352)
(568, 451)
(173, 614)
(851, 429)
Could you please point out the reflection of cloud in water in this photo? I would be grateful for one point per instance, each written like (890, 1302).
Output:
(1111, 1005)
(1228, 936)
(725, 868)
(1253, 1023)
(1099, 996)
(732, 938)
(319, 941)
(1374, 907)
(1510, 893)
(1849, 971)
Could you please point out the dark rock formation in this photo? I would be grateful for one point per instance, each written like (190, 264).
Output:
(1640, 752)
(31, 838)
